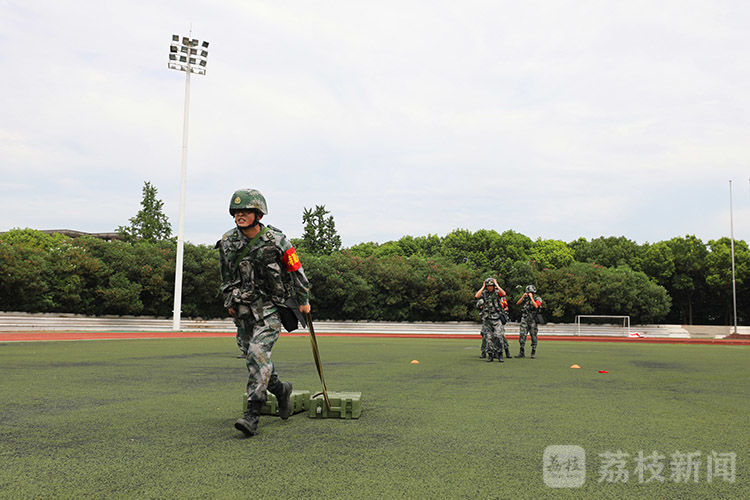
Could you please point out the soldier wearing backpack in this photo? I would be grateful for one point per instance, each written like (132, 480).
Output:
(260, 276)
(491, 298)
(530, 306)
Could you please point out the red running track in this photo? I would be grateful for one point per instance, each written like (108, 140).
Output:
(49, 336)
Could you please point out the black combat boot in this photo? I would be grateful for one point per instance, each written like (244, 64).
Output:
(507, 353)
(483, 355)
(248, 423)
(489, 358)
(533, 352)
(500, 357)
(283, 393)
(242, 355)
(521, 354)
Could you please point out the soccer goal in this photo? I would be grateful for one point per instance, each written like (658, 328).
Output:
(602, 324)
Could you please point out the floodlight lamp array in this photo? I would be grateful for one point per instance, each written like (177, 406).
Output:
(188, 54)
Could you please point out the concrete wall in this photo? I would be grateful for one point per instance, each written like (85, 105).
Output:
(711, 331)
(10, 322)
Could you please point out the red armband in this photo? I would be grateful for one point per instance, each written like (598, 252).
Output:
(291, 260)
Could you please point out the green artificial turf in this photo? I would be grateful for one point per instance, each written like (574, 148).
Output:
(154, 419)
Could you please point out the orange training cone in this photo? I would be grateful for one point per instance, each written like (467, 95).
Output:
(414, 362)
(574, 366)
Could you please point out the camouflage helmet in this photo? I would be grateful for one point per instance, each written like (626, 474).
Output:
(245, 199)
(489, 282)
(531, 289)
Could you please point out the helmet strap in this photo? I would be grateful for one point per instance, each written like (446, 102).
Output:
(256, 220)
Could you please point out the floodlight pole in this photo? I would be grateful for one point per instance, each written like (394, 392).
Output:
(190, 48)
(731, 229)
(177, 310)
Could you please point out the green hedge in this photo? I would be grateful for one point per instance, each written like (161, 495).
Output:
(86, 275)
(54, 273)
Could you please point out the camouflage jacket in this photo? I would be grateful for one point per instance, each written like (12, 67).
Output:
(492, 304)
(267, 273)
(528, 309)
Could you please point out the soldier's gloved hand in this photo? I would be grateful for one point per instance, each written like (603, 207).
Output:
(231, 311)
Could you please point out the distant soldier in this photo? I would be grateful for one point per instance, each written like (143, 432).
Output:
(530, 305)
(504, 319)
(483, 330)
(490, 299)
(260, 273)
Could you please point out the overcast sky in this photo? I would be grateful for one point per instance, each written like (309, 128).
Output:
(557, 119)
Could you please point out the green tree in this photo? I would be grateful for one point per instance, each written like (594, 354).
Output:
(719, 277)
(482, 249)
(611, 251)
(515, 246)
(200, 290)
(22, 282)
(119, 296)
(338, 291)
(408, 246)
(583, 288)
(32, 238)
(659, 262)
(551, 254)
(150, 223)
(155, 273)
(459, 247)
(320, 235)
(390, 248)
(428, 246)
(362, 249)
(688, 279)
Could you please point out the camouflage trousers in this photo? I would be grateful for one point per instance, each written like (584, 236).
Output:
(493, 337)
(257, 338)
(528, 327)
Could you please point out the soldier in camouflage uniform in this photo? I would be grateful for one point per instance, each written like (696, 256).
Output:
(260, 271)
(505, 319)
(530, 305)
(483, 331)
(490, 296)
